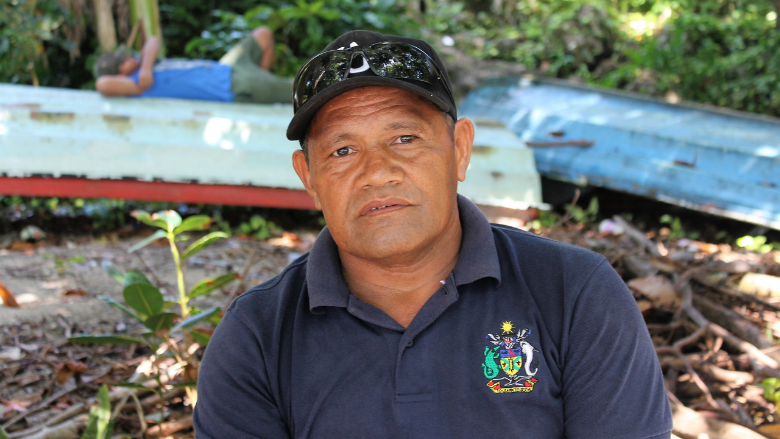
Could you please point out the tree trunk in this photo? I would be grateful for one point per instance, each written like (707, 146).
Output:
(776, 5)
(105, 25)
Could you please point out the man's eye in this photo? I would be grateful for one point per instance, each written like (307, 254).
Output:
(406, 139)
(341, 152)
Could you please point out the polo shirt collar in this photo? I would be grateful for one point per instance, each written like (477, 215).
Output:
(478, 259)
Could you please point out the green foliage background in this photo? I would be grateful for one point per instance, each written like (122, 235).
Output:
(720, 52)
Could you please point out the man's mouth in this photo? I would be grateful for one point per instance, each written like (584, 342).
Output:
(383, 206)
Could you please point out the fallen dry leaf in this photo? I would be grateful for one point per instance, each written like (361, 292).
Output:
(78, 292)
(22, 404)
(68, 369)
(286, 240)
(658, 289)
(760, 285)
(11, 353)
(21, 245)
(771, 430)
(8, 298)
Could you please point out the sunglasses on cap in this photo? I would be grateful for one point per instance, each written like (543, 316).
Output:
(389, 60)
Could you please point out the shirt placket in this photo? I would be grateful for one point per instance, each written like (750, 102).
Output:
(416, 392)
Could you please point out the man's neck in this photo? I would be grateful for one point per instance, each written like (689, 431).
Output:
(401, 286)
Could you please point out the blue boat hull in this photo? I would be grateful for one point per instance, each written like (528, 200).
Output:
(722, 162)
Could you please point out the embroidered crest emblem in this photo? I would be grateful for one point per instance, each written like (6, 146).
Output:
(515, 359)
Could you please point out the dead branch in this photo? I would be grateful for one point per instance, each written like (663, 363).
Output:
(66, 430)
(734, 323)
(689, 424)
(168, 428)
(637, 236)
(735, 293)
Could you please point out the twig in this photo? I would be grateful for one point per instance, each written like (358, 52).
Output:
(149, 269)
(638, 237)
(753, 352)
(252, 261)
(569, 210)
(140, 410)
(690, 424)
(735, 293)
(45, 403)
(168, 428)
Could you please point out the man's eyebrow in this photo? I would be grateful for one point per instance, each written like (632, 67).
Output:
(403, 126)
(343, 136)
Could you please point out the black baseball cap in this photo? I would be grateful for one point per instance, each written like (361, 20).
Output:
(437, 93)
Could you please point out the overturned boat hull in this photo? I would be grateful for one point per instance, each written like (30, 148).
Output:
(717, 161)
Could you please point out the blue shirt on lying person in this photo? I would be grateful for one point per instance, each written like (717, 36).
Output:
(190, 79)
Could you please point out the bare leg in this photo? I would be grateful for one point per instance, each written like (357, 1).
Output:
(265, 39)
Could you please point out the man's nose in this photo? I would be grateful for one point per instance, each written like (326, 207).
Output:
(380, 169)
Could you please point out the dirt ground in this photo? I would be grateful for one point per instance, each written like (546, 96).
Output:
(47, 281)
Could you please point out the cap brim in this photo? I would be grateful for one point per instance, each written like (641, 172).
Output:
(303, 116)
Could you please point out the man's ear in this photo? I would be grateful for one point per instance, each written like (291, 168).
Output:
(464, 139)
(301, 166)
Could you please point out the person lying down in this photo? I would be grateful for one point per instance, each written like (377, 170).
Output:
(242, 75)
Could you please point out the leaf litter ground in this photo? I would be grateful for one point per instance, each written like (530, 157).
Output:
(714, 333)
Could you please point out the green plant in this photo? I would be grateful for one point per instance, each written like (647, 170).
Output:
(64, 265)
(145, 302)
(301, 28)
(259, 228)
(757, 244)
(544, 220)
(676, 230)
(771, 389)
(587, 215)
(100, 423)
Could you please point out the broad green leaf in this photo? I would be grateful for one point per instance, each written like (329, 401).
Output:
(171, 218)
(191, 320)
(145, 299)
(105, 339)
(3, 434)
(208, 285)
(135, 277)
(135, 386)
(160, 322)
(146, 241)
(168, 305)
(215, 319)
(120, 307)
(202, 243)
(201, 337)
(144, 217)
(195, 222)
(114, 272)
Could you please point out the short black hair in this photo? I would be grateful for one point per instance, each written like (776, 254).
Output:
(108, 63)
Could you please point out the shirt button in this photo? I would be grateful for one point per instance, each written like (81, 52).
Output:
(410, 343)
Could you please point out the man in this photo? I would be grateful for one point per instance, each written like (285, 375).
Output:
(242, 75)
(412, 316)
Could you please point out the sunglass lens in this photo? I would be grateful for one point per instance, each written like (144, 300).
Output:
(401, 61)
(319, 73)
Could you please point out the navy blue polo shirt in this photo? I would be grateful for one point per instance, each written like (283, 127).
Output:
(526, 338)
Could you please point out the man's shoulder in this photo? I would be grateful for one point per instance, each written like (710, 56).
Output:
(274, 295)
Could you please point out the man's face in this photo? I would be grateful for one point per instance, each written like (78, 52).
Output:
(129, 66)
(384, 166)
